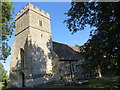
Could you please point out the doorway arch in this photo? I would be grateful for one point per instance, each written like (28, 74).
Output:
(22, 75)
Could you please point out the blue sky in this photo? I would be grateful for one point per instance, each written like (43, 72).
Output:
(60, 33)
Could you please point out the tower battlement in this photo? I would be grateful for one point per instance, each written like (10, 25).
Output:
(30, 6)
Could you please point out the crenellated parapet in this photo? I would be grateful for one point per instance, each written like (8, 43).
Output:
(30, 6)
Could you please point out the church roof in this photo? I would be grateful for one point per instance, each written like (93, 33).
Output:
(66, 52)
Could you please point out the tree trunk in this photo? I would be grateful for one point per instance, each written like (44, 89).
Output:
(99, 72)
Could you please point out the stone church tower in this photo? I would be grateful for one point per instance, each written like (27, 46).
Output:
(31, 51)
(36, 59)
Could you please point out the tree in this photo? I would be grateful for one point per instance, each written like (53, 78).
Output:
(3, 73)
(102, 50)
(77, 46)
(7, 26)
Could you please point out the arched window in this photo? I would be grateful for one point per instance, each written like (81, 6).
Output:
(22, 57)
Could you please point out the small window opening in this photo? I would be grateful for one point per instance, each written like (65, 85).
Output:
(40, 23)
(41, 35)
(21, 24)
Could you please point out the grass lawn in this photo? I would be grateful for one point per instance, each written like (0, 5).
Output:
(97, 83)
(1, 84)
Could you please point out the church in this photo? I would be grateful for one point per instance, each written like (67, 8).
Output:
(36, 59)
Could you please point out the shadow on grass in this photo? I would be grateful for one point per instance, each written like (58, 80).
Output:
(104, 82)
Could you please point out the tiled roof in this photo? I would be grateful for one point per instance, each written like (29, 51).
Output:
(66, 52)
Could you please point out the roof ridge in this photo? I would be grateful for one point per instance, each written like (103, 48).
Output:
(62, 43)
